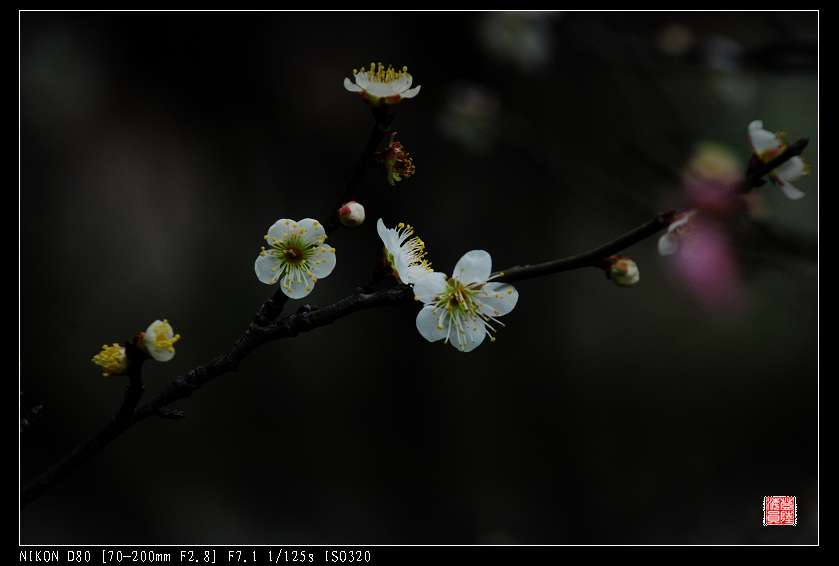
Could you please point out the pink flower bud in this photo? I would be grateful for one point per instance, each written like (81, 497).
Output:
(351, 214)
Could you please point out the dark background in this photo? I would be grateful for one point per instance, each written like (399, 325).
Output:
(156, 149)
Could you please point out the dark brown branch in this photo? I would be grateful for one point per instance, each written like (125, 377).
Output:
(305, 319)
(135, 389)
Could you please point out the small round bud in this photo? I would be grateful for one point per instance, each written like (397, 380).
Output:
(623, 271)
(351, 214)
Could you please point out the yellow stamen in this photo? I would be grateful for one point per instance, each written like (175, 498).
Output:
(378, 73)
(111, 359)
(162, 341)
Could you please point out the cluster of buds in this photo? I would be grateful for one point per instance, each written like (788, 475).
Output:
(397, 160)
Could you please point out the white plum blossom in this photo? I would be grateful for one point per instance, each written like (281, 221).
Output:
(382, 85)
(159, 340)
(669, 243)
(768, 145)
(297, 256)
(404, 252)
(461, 309)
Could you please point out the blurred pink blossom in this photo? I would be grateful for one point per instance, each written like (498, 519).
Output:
(706, 264)
(698, 240)
(711, 178)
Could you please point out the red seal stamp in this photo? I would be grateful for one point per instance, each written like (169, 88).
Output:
(780, 510)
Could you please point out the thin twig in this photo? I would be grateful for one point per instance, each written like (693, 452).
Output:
(592, 258)
(383, 117)
(121, 421)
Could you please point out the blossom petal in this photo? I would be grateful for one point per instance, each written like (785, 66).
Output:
(432, 324)
(387, 235)
(297, 285)
(427, 287)
(411, 92)
(763, 140)
(380, 89)
(668, 244)
(281, 229)
(790, 191)
(473, 333)
(311, 231)
(474, 266)
(362, 79)
(268, 268)
(351, 86)
(322, 261)
(681, 220)
(403, 83)
(497, 299)
(161, 354)
(410, 274)
(155, 329)
(792, 169)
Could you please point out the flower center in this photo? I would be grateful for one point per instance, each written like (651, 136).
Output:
(293, 254)
(459, 310)
(292, 251)
(459, 297)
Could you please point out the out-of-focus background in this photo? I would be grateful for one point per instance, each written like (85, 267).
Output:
(156, 149)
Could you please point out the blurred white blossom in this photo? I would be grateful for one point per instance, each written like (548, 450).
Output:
(470, 117)
(723, 56)
(521, 38)
(675, 39)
